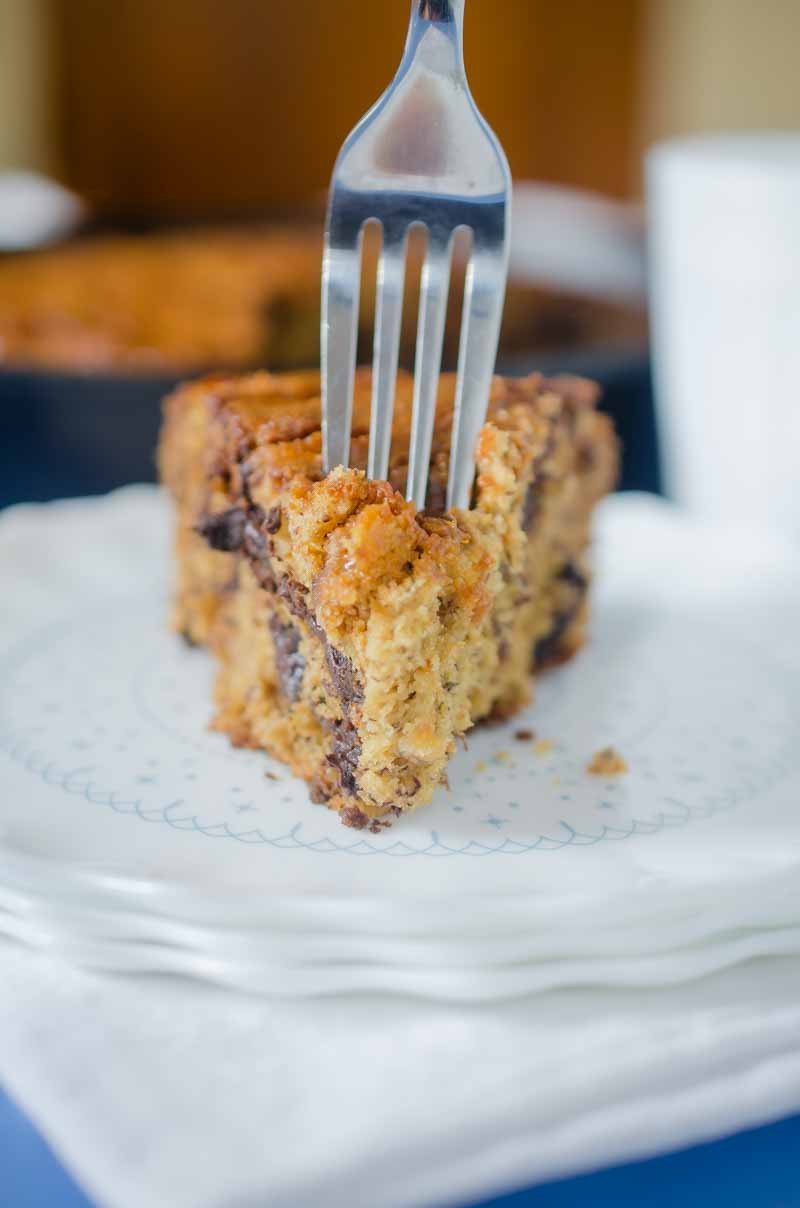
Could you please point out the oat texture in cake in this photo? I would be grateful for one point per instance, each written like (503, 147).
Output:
(359, 638)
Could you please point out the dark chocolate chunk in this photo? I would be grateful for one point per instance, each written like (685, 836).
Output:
(436, 499)
(586, 459)
(224, 531)
(187, 639)
(255, 546)
(571, 573)
(547, 649)
(345, 753)
(254, 540)
(245, 470)
(295, 595)
(346, 683)
(351, 815)
(530, 507)
(272, 519)
(318, 790)
(289, 662)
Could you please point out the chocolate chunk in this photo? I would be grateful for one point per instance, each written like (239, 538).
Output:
(346, 683)
(318, 790)
(295, 595)
(254, 541)
(255, 546)
(224, 531)
(245, 471)
(533, 496)
(187, 639)
(351, 815)
(345, 753)
(530, 507)
(272, 519)
(503, 646)
(547, 649)
(571, 573)
(436, 499)
(586, 459)
(289, 662)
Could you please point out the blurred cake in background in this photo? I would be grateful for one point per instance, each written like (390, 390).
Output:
(205, 298)
(96, 328)
(163, 302)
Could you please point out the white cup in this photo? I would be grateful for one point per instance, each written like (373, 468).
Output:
(724, 246)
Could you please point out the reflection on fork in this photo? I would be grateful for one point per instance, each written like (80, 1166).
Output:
(423, 156)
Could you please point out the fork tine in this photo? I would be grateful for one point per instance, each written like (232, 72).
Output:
(484, 288)
(388, 313)
(341, 281)
(434, 286)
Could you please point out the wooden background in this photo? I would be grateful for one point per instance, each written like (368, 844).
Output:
(218, 106)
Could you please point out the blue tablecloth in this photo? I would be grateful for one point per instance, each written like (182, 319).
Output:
(755, 1169)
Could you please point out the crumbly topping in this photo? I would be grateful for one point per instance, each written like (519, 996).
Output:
(267, 430)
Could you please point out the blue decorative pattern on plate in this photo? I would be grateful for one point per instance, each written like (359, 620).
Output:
(104, 714)
(84, 704)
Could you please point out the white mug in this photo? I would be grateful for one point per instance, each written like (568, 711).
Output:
(724, 263)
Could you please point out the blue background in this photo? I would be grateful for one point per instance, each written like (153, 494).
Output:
(759, 1168)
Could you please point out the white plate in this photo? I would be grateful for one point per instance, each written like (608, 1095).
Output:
(113, 788)
(274, 945)
(444, 976)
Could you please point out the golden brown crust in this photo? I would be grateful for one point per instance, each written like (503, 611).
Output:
(172, 302)
(358, 637)
(169, 302)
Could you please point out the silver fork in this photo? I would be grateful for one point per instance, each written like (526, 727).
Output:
(422, 156)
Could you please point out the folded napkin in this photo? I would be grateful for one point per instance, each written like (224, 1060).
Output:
(173, 1094)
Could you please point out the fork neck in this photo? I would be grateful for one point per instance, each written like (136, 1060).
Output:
(442, 55)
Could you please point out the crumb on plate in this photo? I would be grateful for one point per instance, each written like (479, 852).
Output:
(607, 762)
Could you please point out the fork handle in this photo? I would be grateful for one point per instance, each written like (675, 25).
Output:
(448, 14)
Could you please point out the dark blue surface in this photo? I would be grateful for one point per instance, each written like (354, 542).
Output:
(30, 1174)
(755, 1169)
(63, 434)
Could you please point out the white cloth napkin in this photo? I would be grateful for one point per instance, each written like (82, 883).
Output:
(176, 1095)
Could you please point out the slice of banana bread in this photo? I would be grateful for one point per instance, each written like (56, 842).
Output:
(357, 637)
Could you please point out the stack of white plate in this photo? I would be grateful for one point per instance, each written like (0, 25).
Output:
(132, 839)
